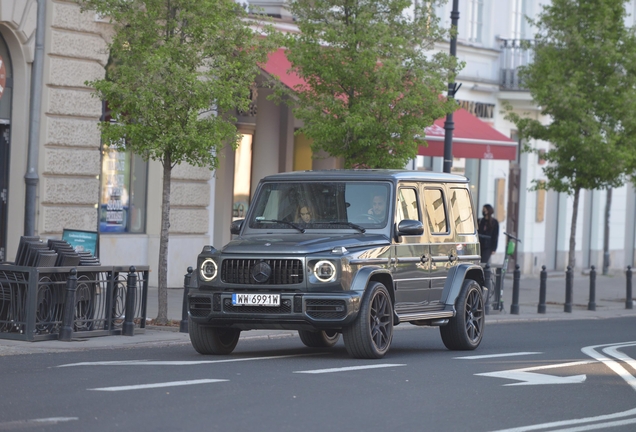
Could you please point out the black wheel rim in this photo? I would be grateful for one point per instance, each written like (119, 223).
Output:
(380, 320)
(474, 315)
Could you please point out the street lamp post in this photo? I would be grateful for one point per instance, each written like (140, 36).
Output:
(449, 125)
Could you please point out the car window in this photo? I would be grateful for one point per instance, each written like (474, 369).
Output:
(462, 211)
(407, 207)
(320, 205)
(435, 211)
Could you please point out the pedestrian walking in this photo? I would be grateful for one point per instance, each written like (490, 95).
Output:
(488, 233)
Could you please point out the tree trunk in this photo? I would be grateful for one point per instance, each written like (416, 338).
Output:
(162, 313)
(606, 231)
(575, 214)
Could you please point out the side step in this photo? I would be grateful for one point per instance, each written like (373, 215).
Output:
(425, 316)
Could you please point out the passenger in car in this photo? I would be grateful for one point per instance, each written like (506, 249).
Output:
(304, 214)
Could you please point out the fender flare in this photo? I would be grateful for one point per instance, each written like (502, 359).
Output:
(363, 275)
(455, 280)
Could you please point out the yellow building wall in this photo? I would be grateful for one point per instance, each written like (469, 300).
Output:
(302, 153)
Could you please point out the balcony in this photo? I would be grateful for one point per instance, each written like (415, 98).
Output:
(514, 54)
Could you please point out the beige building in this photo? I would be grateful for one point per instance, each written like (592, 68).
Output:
(79, 186)
(82, 186)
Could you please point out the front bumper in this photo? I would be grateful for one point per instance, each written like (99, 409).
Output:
(297, 311)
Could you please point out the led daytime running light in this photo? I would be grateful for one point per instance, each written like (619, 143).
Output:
(207, 265)
(325, 271)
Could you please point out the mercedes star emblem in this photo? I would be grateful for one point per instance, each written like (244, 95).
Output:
(261, 272)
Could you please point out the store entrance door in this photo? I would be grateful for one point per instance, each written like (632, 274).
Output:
(4, 188)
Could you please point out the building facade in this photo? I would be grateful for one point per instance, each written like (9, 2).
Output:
(489, 42)
(83, 186)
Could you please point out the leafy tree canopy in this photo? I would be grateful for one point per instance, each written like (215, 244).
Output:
(583, 77)
(177, 68)
(374, 81)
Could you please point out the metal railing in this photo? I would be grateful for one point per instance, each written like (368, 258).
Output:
(32, 301)
(514, 54)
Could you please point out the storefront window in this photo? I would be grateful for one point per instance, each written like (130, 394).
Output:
(123, 192)
(242, 178)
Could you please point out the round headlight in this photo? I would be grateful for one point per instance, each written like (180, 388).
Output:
(325, 271)
(208, 269)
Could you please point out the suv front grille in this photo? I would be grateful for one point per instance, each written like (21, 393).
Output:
(284, 271)
(326, 309)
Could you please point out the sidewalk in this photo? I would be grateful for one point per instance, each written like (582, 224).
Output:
(610, 303)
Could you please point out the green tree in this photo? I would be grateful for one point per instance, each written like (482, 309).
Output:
(178, 68)
(584, 79)
(374, 82)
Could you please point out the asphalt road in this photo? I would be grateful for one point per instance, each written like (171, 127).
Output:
(524, 376)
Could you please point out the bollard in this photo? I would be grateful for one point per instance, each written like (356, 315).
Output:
(516, 275)
(629, 302)
(489, 287)
(183, 325)
(66, 332)
(542, 290)
(498, 285)
(128, 328)
(591, 305)
(567, 307)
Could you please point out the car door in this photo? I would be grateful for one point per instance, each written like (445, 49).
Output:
(443, 252)
(410, 254)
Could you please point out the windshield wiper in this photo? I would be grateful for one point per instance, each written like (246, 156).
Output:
(291, 224)
(350, 224)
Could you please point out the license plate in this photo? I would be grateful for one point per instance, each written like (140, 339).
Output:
(255, 299)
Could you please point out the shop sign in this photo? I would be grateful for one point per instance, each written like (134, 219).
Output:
(478, 109)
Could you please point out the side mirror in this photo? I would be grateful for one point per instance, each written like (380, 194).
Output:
(410, 227)
(235, 227)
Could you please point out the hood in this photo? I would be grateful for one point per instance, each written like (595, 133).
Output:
(301, 244)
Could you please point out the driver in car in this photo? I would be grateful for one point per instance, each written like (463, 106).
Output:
(378, 206)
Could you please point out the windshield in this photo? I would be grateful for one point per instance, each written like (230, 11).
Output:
(321, 205)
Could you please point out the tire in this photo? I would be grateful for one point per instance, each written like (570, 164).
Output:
(465, 330)
(370, 335)
(213, 340)
(319, 339)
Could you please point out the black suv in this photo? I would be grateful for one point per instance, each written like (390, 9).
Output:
(345, 251)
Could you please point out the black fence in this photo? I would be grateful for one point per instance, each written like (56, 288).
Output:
(32, 301)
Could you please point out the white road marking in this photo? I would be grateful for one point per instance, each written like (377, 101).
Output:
(178, 362)
(23, 424)
(350, 368)
(603, 426)
(158, 385)
(479, 357)
(609, 419)
(529, 378)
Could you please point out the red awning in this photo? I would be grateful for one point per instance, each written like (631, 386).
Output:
(472, 139)
(278, 65)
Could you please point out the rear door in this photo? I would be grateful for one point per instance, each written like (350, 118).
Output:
(443, 252)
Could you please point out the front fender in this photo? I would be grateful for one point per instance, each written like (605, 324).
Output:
(366, 273)
(455, 280)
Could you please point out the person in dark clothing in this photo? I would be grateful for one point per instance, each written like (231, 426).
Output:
(488, 233)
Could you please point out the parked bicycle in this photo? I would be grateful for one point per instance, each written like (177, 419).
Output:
(495, 294)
